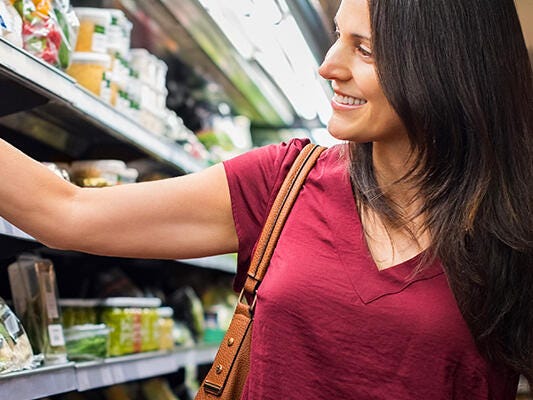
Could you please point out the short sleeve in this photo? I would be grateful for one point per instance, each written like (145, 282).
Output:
(254, 179)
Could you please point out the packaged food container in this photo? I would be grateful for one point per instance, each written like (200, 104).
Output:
(128, 175)
(161, 75)
(87, 342)
(131, 328)
(119, 33)
(166, 328)
(120, 68)
(15, 348)
(33, 286)
(79, 311)
(121, 330)
(89, 70)
(10, 23)
(59, 169)
(93, 31)
(143, 62)
(149, 329)
(96, 173)
(109, 89)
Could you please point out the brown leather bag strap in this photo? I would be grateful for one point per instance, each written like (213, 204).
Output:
(278, 214)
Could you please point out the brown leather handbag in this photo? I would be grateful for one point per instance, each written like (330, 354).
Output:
(227, 376)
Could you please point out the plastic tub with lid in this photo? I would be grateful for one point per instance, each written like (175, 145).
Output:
(94, 26)
(125, 316)
(89, 70)
(87, 342)
(79, 311)
(119, 33)
(96, 173)
(166, 328)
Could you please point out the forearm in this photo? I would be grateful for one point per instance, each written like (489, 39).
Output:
(32, 197)
(174, 218)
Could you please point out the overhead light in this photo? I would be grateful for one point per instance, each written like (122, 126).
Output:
(265, 31)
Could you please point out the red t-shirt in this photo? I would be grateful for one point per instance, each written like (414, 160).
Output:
(328, 324)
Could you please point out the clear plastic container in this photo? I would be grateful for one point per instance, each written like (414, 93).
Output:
(166, 327)
(89, 70)
(96, 173)
(87, 342)
(94, 26)
(79, 311)
(119, 33)
(132, 329)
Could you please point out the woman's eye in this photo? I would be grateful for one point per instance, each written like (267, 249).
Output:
(336, 33)
(364, 51)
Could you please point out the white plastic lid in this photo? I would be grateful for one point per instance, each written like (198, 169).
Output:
(139, 53)
(165, 312)
(103, 165)
(137, 302)
(78, 332)
(80, 57)
(118, 14)
(100, 16)
(130, 173)
(79, 302)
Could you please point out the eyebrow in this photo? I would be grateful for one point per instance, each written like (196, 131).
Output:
(353, 35)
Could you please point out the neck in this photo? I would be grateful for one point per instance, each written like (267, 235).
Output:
(391, 162)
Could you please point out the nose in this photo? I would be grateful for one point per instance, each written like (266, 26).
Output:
(335, 66)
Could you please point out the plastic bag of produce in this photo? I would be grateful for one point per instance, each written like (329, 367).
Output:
(15, 348)
(70, 25)
(34, 290)
(49, 29)
(10, 23)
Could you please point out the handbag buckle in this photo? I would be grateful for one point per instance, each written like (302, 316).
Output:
(212, 388)
(251, 306)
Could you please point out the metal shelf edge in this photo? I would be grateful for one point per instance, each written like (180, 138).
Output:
(38, 75)
(225, 262)
(48, 381)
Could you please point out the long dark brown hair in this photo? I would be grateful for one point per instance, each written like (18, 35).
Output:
(458, 74)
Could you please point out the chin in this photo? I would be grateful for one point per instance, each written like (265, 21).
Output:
(341, 133)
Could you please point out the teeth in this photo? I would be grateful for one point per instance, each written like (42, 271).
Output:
(348, 100)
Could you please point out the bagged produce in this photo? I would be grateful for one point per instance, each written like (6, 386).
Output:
(49, 29)
(10, 23)
(33, 286)
(15, 348)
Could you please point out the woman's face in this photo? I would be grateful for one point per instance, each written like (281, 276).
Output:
(361, 112)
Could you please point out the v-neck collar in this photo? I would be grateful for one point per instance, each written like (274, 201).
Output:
(368, 281)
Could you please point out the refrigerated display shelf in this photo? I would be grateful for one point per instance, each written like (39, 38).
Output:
(47, 381)
(84, 108)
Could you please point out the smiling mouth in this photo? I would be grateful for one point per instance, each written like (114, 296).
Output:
(348, 100)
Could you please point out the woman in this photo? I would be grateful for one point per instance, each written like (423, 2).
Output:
(404, 269)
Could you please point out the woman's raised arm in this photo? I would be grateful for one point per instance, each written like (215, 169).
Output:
(183, 217)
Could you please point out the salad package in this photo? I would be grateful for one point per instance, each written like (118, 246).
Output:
(34, 289)
(49, 29)
(15, 348)
(10, 23)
